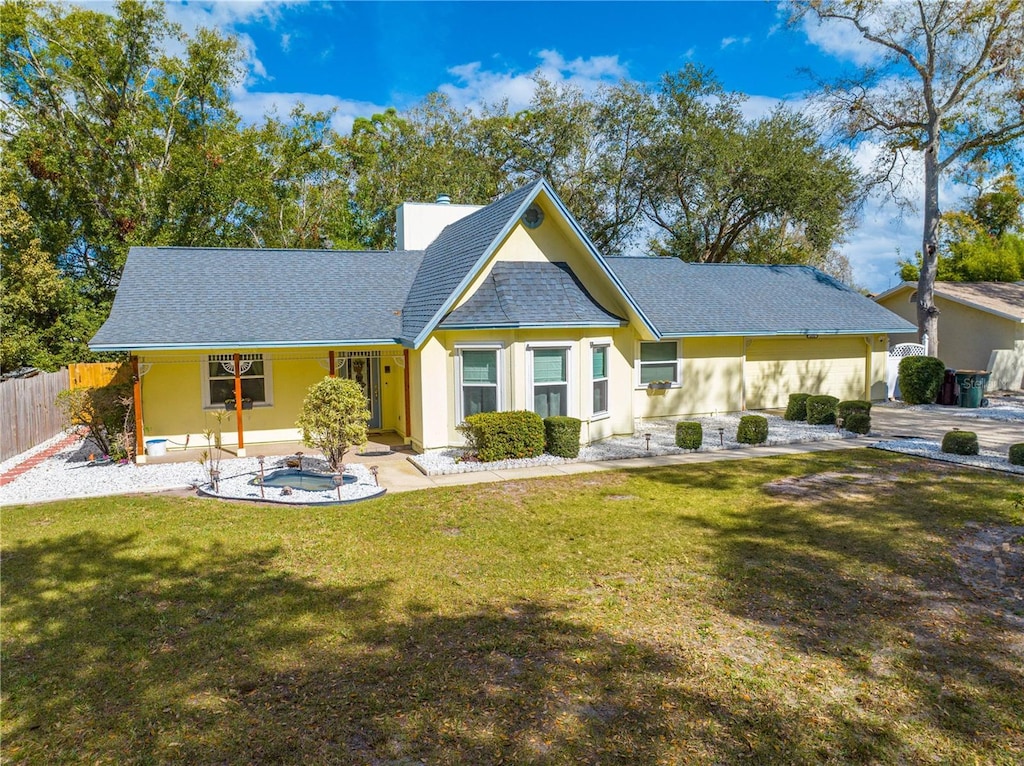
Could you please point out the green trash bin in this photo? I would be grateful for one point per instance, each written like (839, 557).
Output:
(971, 385)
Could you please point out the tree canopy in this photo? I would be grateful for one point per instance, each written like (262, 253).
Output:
(985, 241)
(118, 130)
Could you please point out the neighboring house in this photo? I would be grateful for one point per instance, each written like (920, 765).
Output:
(503, 307)
(981, 326)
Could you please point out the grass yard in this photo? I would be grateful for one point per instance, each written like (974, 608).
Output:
(677, 615)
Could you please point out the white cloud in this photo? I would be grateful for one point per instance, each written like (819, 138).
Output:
(286, 42)
(840, 40)
(727, 41)
(475, 86)
(253, 107)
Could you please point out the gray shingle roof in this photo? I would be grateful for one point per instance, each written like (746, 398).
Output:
(177, 297)
(739, 299)
(451, 259)
(531, 294)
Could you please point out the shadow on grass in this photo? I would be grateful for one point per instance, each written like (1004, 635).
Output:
(867, 578)
(115, 653)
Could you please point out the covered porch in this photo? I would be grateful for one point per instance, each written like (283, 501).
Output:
(249, 398)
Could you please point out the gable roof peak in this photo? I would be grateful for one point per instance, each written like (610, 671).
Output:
(462, 248)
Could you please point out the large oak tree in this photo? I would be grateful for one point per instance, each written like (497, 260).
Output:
(947, 86)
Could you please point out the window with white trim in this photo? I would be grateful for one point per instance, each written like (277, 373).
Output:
(479, 380)
(550, 380)
(219, 379)
(599, 372)
(659, 362)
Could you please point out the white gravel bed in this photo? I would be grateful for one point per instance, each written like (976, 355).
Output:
(70, 474)
(663, 438)
(995, 461)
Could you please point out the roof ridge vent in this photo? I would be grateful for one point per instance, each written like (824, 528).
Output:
(443, 199)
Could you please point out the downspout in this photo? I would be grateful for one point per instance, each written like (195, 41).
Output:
(408, 395)
(743, 376)
(868, 367)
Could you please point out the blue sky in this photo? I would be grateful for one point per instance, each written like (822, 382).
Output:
(359, 57)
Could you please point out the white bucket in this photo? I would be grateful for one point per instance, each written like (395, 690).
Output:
(156, 447)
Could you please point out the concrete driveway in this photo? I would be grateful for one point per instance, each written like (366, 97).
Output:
(931, 424)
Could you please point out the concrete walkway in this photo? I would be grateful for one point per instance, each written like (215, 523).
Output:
(887, 423)
(403, 476)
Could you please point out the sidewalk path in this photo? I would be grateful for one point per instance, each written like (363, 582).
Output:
(403, 476)
(887, 423)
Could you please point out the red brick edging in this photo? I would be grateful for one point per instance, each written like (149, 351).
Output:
(31, 462)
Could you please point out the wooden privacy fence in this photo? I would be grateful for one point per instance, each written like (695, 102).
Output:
(28, 411)
(94, 374)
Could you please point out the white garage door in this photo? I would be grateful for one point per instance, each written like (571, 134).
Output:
(778, 367)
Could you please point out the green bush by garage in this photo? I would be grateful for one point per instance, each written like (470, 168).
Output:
(796, 408)
(821, 410)
(855, 415)
(920, 379)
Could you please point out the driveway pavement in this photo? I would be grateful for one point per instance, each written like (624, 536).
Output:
(899, 423)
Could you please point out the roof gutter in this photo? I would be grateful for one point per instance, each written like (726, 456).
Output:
(787, 333)
(245, 344)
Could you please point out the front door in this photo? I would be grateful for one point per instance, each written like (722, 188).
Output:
(365, 370)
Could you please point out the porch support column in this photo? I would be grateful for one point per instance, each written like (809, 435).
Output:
(140, 447)
(238, 404)
(408, 405)
(330, 357)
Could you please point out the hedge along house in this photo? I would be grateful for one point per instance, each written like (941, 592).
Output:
(502, 307)
(981, 326)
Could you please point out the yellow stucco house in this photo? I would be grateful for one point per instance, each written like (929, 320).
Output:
(502, 307)
(981, 326)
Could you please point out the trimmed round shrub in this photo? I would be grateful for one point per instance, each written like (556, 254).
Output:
(920, 379)
(689, 435)
(850, 406)
(753, 429)
(562, 435)
(1017, 454)
(821, 410)
(857, 422)
(960, 443)
(504, 435)
(796, 408)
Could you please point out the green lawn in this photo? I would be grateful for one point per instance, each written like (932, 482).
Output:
(676, 615)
